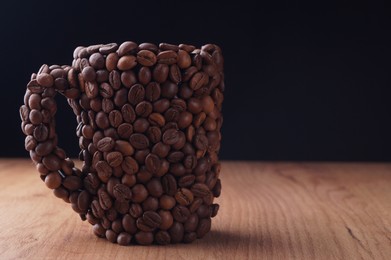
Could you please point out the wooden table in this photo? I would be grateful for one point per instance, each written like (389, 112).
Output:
(268, 211)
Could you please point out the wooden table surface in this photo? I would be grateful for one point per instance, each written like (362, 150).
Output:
(268, 211)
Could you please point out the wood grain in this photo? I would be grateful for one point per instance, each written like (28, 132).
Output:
(268, 211)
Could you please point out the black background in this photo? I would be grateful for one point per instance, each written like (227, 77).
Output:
(303, 82)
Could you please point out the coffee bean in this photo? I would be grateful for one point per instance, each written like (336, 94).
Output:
(169, 89)
(176, 232)
(144, 75)
(180, 213)
(115, 118)
(139, 192)
(171, 136)
(126, 62)
(126, 48)
(160, 73)
(114, 159)
(88, 73)
(99, 231)
(184, 60)
(124, 239)
(148, 46)
(71, 182)
(203, 227)
(146, 58)
(129, 224)
(139, 141)
(53, 180)
(150, 204)
(162, 237)
(102, 121)
(186, 180)
(111, 61)
(200, 190)
(122, 192)
(111, 236)
(201, 142)
(128, 113)
(152, 91)
(185, 119)
(45, 80)
(169, 184)
(161, 149)
(104, 199)
(108, 48)
(136, 94)
(114, 79)
(143, 109)
(105, 90)
(41, 133)
(189, 237)
(167, 57)
(91, 183)
(144, 238)
(161, 105)
(152, 219)
(135, 210)
(106, 144)
(104, 171)
(35, 117)
(152, 162)
(141, 225)
(130, 165)
(83, 200)
(97, 209)
(97, 61)
(125, 130)
(157, 119)
(128, 78)
(175, 74)
(184, 196)
(198, 80)
(191, 223)
(52, 162)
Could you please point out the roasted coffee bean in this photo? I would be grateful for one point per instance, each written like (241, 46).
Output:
(184, 196)
(30, 143)
(144, 109)
(152, 91)
(185, 119)
(167, 57)
(120, 97)
(97, 209)
(180, 213)
(72, 183)
(128, 78)
(111, 236)
(97, 61)
(146, 58)
(104, 199)
(125, 130)
(162, 237)
(150, 204)
(140, 156)
(152, 162)
(45, 80)
(130, 165)
(126, 62)
(83, 201)
(104, 171)
(189, 237)
(98, 230)
(122, 192)
(167, 202)
(169, 89)
(144, 75)
(201, 142)
(184, 60)
(203, 211)
(186, 180)
(191, 223)
(155, 187)
(169, 184)
(143, 226)
(102, 121)
(91, 183)
(106, 144)
(139, 193)
(200, 190)
(175, 74)
(105, 90)
(115, 80)
(88, 73)
(144, 238)
(111, 62)
(114, 159)
(41, 133)
(176, 232)
(190, 162)
(127, 48)
(152, 219)
(129, 224)
(203, 227)
(136, 94)
(128, 113)
(148, 46)
(53, 180)
(135, 210)
(161, 105)
(171, 136)
(175, 157)
(121, 206)
(140, 125)
(115, 118)
(124, 239)
(108, 48)
(160, 73)
(139, 141)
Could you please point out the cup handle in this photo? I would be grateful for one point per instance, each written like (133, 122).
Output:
(38, 124)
